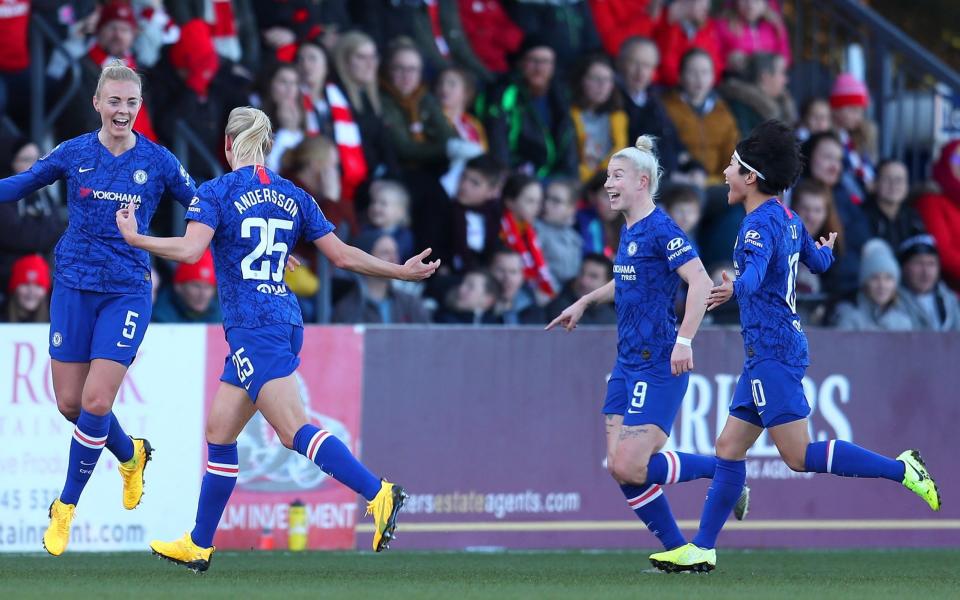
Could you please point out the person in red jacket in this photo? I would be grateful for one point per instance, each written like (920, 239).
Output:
(617, 20)
(491, 33)
(14, 57)
(687, 24)
(941, 212)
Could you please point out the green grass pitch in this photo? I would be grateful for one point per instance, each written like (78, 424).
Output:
(761, 574)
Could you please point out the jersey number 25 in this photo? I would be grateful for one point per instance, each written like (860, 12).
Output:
(267, 246)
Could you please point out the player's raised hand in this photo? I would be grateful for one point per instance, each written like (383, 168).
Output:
(569, 318)
(827, 241)
(681, 359)
(127, 221)
(416, 270)
(721, 293)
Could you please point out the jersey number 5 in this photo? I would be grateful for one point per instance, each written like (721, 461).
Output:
(267, 245)
(793, 264)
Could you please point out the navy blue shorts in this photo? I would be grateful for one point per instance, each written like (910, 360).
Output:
(650, 396)
(770, 393)
(86, 325)
(261, 355)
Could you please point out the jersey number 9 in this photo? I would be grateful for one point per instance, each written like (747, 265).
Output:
(267, 246)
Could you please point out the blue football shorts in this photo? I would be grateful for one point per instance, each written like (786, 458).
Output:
(260, 355)
(770, 393)
(650, 396)
(85, 325)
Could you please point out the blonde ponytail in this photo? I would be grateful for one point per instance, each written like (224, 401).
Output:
(117, 71)
(252, 135)
(644, 158)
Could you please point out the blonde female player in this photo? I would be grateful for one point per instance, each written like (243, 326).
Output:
(252, 217)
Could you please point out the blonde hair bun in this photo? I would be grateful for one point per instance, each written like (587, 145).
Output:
(645, 143)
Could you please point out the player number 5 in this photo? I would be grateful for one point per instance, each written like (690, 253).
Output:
(130, 326)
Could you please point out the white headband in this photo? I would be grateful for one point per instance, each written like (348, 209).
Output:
(736, 155)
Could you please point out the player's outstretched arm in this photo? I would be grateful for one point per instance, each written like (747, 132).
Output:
(698, 288)
(353, 259)
(186, 249)
(571, 315)
(818, 256)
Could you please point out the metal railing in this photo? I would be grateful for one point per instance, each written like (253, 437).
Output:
(909, 86)
(42, 36)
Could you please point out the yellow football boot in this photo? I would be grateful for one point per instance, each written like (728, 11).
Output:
(685, 558)
(184, 552)
(57, 535)
(917, 479)
(384, 508)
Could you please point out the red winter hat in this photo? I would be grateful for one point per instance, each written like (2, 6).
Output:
(117, 11)
(202, 270)
(32, 268)
(195, 53)
(849, 91)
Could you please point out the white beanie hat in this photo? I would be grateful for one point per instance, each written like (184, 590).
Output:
(877, 257)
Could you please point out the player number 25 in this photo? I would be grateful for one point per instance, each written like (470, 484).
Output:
(267, 245)
(243, 365)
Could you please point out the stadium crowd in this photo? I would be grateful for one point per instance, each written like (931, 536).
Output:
(481, 129)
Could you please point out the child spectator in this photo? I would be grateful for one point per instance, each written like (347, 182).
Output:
(562, 245)
(598, 118)
(472, 302)
(886, 210)
(522, 202)
(814, 118)
(690, 172)
(475, 224)
(598, 224)
(931, 304)
(192, 298)
(877, 307)
(389, 214)
(29, 291)
(683, 204)
(849, 100)
(516, 304)
(595, 271)
(940, 211)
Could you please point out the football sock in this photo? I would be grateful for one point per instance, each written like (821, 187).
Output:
(649, 503)
(674, 467)
(849, 460)
(118, 442)
(89, 438)
(218, 482)
(335, 459)
(721, 497)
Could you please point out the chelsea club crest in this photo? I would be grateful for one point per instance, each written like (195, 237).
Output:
(140, 176)
(632, 248)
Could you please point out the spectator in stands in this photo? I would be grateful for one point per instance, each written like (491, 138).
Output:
(598, 117)
(329, 114)
(753, 26)
(493, 36)
(285, 24)
(561, 244)
(877, 308)
(473, 301)
(567, 24)
(29, 291)
(690, 172)
(455, 89)
(595, 271)
(516, 304)
(686, 24)
(598, 224)
(475, 218)
(941, 212)
(389, 214)
(702, 118)
(522, 202)
(814, 118)
(32, 224)
(684, 205)
(356, 61)
(14, 59)
(528, 119)
(886, 210)
(313, 165)
(636, 66)
(619, 20)
(930, 303)
(849, 100)
(761, 94)
(823, 162)
(193, 296)
(813, 203)
(280, 100)
(374, 299)
(232, 24)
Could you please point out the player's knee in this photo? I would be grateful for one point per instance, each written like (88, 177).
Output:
(729, 449)
(98, 404)
(796, 462)
(629, 471)
(286, 438)
(69, 408)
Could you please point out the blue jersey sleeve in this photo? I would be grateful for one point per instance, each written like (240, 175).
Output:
(177, 181)
(45, 171)
(315, 225)
(675, 245)
(758, 241)
(205, 207)
(817, 260)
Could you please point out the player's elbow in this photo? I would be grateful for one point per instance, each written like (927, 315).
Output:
(192, 255)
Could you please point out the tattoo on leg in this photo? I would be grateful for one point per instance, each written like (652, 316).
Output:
(632, 432)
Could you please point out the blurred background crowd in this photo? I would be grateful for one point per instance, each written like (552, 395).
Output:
(482, 129)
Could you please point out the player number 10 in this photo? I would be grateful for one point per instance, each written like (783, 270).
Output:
(267, 245)
(793, 265)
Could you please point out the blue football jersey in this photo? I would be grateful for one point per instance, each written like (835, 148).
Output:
(646, 283)
(258, 217)
(92, 254)
(773, 238)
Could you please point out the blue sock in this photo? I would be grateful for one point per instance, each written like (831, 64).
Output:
(849, 460)
(721, 497)
(674, 467)
(335, 459)
(118, 442)
(89, 438)
(215, 490)
(649, 503)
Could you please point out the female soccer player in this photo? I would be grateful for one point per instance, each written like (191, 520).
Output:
(770, 244)
(101, 302)
(654, 358)
(253, 218)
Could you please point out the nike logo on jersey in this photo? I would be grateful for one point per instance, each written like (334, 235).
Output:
(247, 386)
(82, 170)
(122, 345)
